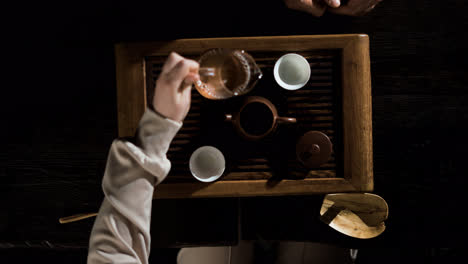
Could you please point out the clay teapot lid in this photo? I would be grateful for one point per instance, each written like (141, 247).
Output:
(313, 149)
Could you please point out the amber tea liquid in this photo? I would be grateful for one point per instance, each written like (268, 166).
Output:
(230, 74)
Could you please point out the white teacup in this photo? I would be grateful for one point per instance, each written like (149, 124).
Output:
(292, 71)
(207, 164)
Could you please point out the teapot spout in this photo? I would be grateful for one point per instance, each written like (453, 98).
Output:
(258, 73)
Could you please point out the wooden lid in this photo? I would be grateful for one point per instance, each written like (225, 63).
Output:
(313, 149)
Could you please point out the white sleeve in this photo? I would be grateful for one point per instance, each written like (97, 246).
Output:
(121, 232)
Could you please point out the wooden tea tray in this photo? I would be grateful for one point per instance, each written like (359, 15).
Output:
(336, 101)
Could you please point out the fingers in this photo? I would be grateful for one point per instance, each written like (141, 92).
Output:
(171, 61)
(192, 77)
(317, 10)
(333, 3)
(184, 71)
(186, 88)
(342, 10)
(314, 7)
(369, 9)
(356, 8)
(373, 3)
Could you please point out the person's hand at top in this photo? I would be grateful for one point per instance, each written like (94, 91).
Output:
(314, 7)
(355, 7)
(318, 7)
(173, 87)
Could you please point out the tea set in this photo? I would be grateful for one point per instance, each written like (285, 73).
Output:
(226, 73)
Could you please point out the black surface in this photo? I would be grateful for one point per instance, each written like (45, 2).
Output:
(59, 118)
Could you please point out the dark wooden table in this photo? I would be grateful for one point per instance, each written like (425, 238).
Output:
(59, 119)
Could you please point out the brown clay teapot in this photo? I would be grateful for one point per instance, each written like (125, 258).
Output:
(257, 118)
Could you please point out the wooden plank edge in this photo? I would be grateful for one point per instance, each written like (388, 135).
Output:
(131, 92)
(249, 188)
(357, 114)
(254, 43)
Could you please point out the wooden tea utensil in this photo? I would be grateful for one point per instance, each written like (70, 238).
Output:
(74, 218)
(359, 215)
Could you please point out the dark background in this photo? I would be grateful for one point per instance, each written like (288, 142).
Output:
(58, 106)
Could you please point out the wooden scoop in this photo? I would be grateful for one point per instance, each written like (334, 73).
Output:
(77, 217)
(359, 215)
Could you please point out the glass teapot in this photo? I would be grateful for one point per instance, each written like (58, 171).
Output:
(225, 73)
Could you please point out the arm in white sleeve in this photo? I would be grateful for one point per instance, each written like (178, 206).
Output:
(121, 232)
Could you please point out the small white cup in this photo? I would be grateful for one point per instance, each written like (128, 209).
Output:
(292, 71)
(207, 164)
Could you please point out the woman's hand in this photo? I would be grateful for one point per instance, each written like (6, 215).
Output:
(318, 7)
(314, 7)
(173, 87)
(355, 7)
